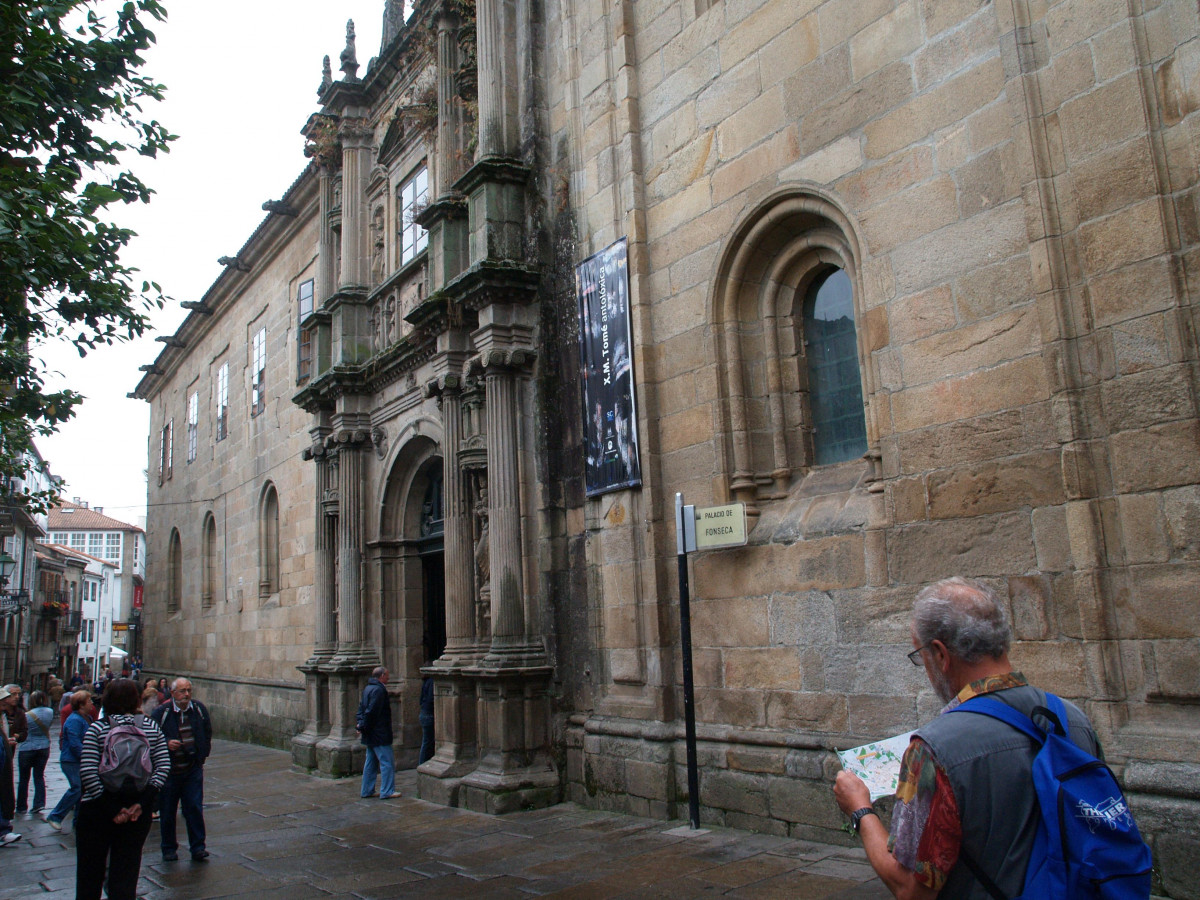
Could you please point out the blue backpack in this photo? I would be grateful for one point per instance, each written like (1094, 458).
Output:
(1087, 844)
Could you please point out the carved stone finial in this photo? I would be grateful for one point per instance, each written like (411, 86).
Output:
(326, 76)
(349, 57)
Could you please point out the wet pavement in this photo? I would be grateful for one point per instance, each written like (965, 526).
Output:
(274, 833)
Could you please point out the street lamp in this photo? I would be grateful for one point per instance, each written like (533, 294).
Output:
(7, 563)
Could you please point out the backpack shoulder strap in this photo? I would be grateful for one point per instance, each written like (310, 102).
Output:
(991, 707)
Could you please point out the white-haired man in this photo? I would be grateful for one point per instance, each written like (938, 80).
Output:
(966, 787)
(188, 730)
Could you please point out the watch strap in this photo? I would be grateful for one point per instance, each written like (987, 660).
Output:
(858, 815)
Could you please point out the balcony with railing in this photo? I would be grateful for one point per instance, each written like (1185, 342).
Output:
(72, 622)
(53, 604)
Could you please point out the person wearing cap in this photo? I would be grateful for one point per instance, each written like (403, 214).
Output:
(13, 729)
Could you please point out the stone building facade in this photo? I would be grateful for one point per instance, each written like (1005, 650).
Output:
(911, 279)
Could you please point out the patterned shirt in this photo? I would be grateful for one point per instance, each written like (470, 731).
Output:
(926, 827)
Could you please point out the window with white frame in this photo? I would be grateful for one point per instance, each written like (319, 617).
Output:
(95, 544)
(258, 372)
(112, 546)
(78, 540)
(413, 196)
(193, 424)
(222, 402)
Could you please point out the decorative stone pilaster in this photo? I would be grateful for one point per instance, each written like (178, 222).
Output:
(340, 752)
(316, 681)
(351, 449)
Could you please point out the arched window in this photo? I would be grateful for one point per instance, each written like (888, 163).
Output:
(174, 572)
(784, 306)
(838, 429)
(268, 542)
(209, 582)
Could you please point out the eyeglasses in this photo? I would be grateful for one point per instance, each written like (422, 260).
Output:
(915, 656)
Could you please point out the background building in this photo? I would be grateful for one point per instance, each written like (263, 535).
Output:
(89, 531)
(910, 280)
(20, 530)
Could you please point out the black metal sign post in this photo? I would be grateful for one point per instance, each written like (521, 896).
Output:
(685, 530)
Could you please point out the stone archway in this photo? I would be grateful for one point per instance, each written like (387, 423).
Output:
(412, 610)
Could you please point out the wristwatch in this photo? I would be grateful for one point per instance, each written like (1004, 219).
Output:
(857, 816)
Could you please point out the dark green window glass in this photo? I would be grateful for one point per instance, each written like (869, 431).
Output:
(835, 388)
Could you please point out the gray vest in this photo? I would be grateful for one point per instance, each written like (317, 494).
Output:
(990, 767)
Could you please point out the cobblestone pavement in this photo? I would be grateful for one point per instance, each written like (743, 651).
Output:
(277, 834)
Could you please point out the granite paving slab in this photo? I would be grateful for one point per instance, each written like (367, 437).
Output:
(278, 835)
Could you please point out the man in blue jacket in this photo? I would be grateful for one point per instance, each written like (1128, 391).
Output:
(188, 730)
(374, 726)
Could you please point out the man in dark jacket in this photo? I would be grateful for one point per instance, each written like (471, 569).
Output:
(188, 730)
(374, 726)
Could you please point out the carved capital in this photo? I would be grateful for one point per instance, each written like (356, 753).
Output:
(492, 361)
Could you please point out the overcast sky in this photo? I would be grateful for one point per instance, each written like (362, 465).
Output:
(241, 81)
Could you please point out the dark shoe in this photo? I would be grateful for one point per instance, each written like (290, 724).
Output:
(170, 856)
(200, 856)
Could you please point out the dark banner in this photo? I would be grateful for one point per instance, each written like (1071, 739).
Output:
(605, 344)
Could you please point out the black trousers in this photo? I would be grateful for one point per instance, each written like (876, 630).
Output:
(8, 797)
(103, 847)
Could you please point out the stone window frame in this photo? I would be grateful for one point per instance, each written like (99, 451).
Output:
(208, 560)
(193, 425)
(268, 541)
(174, 572)
(258, 372)
(221, 402)
(779, 249)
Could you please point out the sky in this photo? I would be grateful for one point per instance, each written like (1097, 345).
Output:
(241, 81)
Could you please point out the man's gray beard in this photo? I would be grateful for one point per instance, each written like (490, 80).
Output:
(941, 685)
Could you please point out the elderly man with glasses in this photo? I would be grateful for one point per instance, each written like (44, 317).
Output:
(966, 790)
(188, 730)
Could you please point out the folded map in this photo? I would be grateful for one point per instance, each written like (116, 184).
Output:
(878, 763)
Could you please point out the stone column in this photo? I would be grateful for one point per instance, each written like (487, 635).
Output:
(504, 507)
(350, 647)
(450, 162)
(458, 558)
(496, 32)
(356, 165)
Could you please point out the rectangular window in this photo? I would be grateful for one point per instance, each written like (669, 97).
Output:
(137, 547)
(78, 540)
(414, 195)
(170, 447)
(95, 544)
(193, 424)
(304, 302)
(258, 372)
(112, 546)
(222, 404)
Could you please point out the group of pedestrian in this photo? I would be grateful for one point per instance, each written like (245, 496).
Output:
(141, 754)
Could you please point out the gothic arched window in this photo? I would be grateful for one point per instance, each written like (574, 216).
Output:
(209, 571)
(268, 542)
(174, 572)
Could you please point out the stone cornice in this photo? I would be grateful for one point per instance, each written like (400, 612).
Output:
(489, 282)
(496, 169)
(447, 207)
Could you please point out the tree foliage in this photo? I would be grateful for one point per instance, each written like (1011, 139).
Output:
(70, 115)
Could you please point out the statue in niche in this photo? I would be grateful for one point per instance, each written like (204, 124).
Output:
(377, 247)
(483, 564)
(376, 333)
(389, 318)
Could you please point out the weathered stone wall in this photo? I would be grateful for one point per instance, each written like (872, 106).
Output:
(241, 635)
(1014, 191)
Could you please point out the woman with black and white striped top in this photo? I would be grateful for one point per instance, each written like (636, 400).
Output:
(111, 825)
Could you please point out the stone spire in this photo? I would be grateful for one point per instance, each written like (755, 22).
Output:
(326, 77)
(393, 21)
(349, 65)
